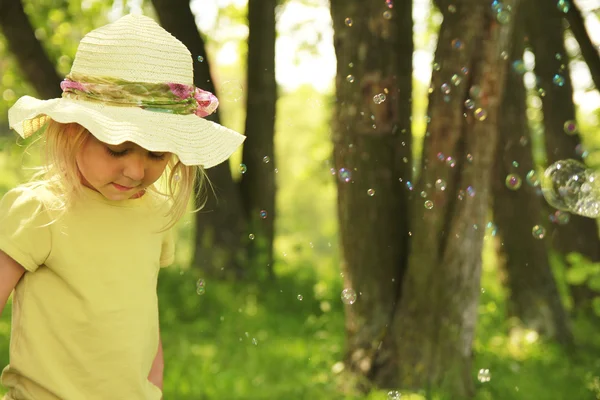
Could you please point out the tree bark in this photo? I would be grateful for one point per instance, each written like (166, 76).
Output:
(258, 182)
(546, 38)
(33, 61)
(588, 50)
(372, 159)
(220, 225)
(534, 297)
(433, 328)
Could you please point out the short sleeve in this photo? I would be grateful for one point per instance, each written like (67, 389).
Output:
(24, 232)
(167, 254)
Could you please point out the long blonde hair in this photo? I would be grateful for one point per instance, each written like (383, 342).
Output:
(59, 172)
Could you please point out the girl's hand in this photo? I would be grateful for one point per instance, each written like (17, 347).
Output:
(10, 274)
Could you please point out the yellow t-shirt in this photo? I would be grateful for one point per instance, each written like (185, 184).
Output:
(85, 314)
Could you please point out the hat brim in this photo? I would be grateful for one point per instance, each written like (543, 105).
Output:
(195, 140)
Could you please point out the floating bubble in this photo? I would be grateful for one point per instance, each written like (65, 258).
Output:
(457, 44)
(484, 375)
(379, 98)
(503, 16)
(371, 192)
(513, 181)
(470, 157)
(345, 175)
(200, 287)
(251, 236)
(348, 21)
(456, 80)
(558, 80)
(480, 114)
(464, 70)
(300, 297)
(409, 186)
(266, 159)
(393, 395)
(436, 66)
(440, 185)
(471, 191)
(581, 151)
(561, 217)
(515, 164)
(532, 178)
(243, 168)
(538, 232)
(428, 204)
(445, 88)
(497, 5)
(450, 162)
(200, 59)
(563, 6)
(475, 91)
(569, 185)
(231, 91)
(492, 228)
(452, 8)
(441, 156)
(570, 127)
(519, 67)
(387, 15)
(423, 194)
(350, 78)
(348, 296)
(389, 3)
(469, 104)
(263, 214)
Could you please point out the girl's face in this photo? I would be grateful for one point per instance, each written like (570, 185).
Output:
(121, 171)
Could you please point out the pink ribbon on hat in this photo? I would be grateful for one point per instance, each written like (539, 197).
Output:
(207, 102)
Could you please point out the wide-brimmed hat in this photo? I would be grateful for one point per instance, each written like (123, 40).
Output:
(133, 81)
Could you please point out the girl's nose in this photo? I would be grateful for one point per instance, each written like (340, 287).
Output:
(135, 168)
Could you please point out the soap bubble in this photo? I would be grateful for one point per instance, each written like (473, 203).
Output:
(200, 287)
(513, 181)
(538, 232)
(428, 204)
(371, 192)
(484, 375)
(563, 5)
(348, 296)
(350, 78)
(243, 168)
(440, 185)
(570, 127)
(569, 185)
(480, 114)
(532, 178)
(263, 214)
(558, 80)
(231, 91)
(379, 98)
(345, 175)
(393, 395)
(348, 21)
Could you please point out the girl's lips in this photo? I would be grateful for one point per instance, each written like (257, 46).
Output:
(121, 188)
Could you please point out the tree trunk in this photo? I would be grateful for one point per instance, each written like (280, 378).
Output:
(433, 328)
(588, 49)
(33, 61)
(546, 35)
(372, 158)
(258, 182)
(534, 297)
(220, 225)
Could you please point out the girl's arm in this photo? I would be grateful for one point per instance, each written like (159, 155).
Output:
(156, 372)
(10, 274)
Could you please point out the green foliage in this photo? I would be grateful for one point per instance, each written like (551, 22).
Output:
(585, 272)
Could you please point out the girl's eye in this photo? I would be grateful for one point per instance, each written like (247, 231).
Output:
(157, 156)
(153, 156)
(116, 153)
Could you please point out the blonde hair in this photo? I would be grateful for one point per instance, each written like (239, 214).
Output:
(59, 172)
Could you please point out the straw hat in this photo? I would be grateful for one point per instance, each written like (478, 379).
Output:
(133, 81)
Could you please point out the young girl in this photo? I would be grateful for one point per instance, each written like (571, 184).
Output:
(82, 244)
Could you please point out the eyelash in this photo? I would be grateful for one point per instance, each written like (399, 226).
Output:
(122, 153)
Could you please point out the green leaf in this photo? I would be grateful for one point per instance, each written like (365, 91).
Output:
(596, 305)
(577, 274)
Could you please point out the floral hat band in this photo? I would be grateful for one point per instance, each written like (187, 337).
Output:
(174, 98)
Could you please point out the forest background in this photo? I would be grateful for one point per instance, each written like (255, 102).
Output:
(382, 233)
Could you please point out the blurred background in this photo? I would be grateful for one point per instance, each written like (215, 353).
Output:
(382, 234)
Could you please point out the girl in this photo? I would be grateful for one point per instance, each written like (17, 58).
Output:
(82, 244)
